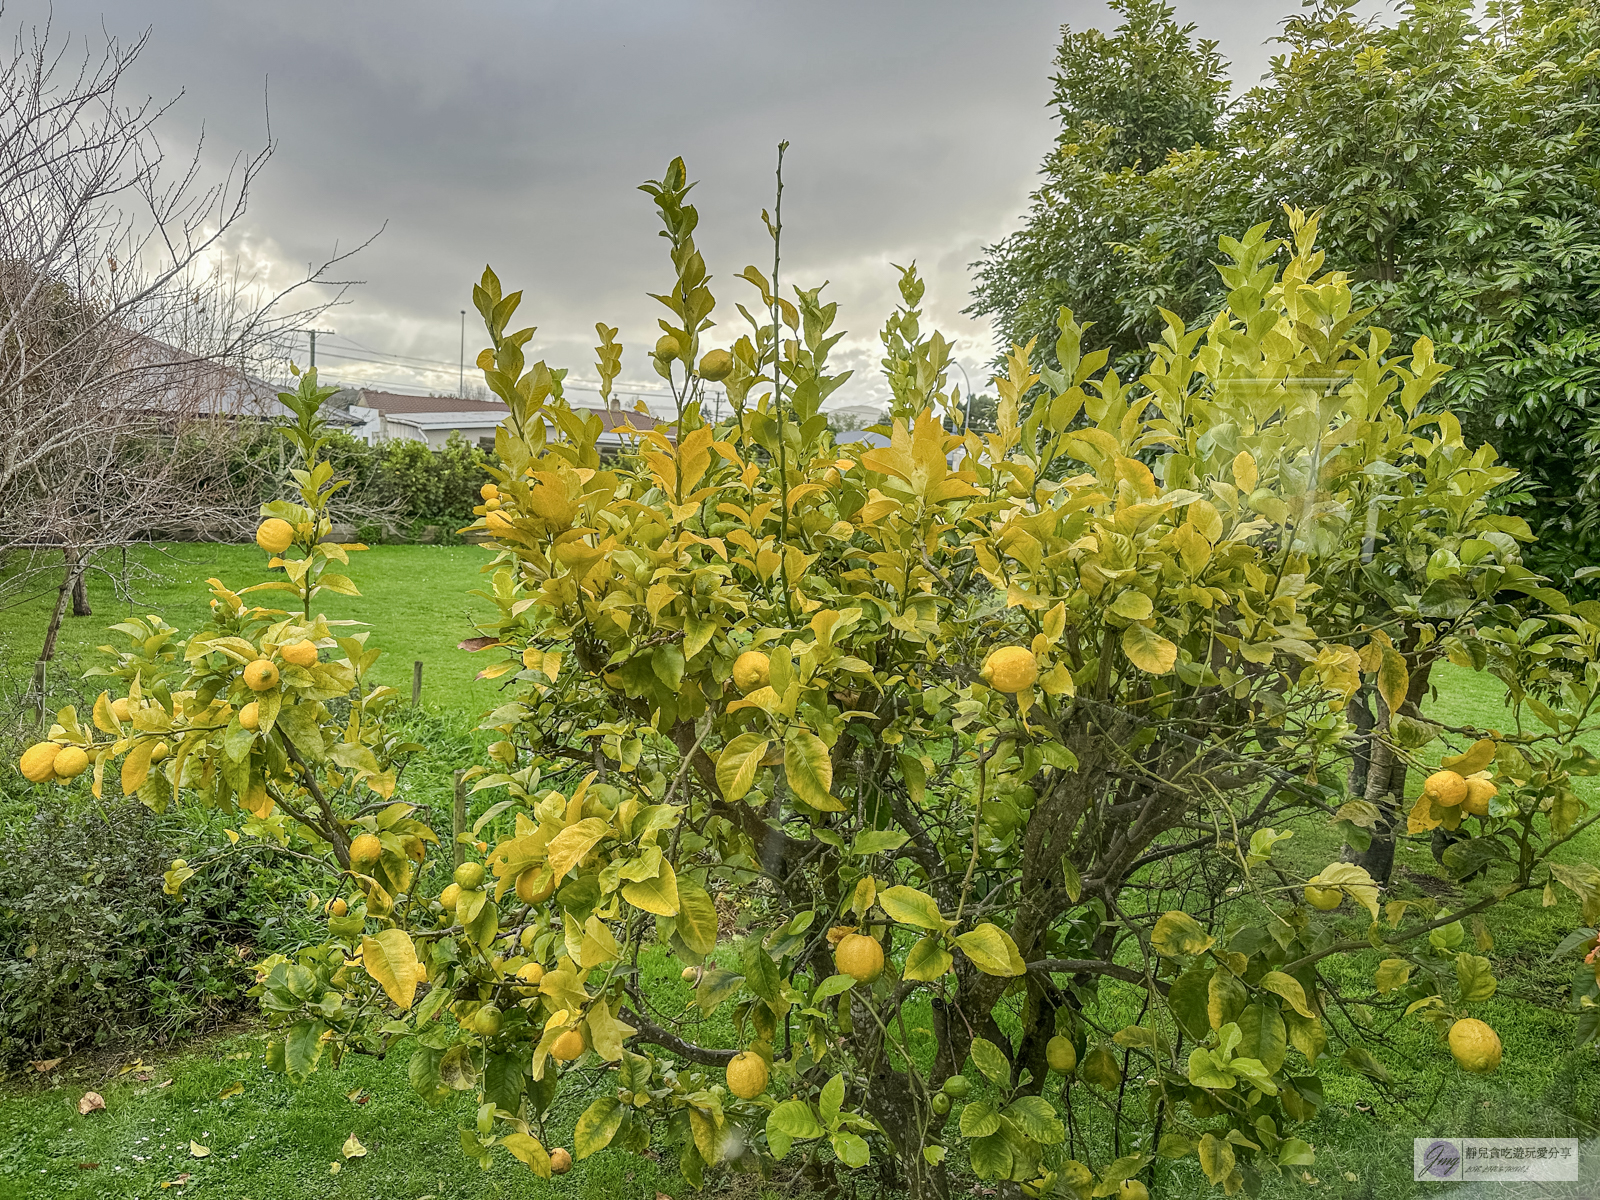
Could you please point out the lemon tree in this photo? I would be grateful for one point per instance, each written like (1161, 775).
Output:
(996, 736)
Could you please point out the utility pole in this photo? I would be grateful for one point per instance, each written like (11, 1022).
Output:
(461, 384)
(313, 333)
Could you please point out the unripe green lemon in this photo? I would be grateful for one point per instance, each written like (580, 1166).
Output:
(667, 347)
(486, 1020)
(957, 1087)
(469, 875)
(940, 1104)
(1061, 1054)
(716, 365)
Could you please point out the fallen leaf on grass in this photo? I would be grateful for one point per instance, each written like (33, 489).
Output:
(178, 1182)
(46, 1064)
(233, 1089)
(197, 1150)
(353, 1148)
(238, 1056)
(88, 1166)
(167, 1083)
(335, 1167)
(136, 1065)
(91, 1102)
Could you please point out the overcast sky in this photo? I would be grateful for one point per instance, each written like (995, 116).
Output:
(514, 132)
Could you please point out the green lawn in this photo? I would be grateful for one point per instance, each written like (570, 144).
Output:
(419, 593)
(273, 1142)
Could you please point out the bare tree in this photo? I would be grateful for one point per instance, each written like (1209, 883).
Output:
(126, 344)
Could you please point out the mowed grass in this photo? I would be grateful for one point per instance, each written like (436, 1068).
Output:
(272, 1141)
(415, 597)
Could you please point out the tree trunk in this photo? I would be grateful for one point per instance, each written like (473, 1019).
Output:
(79, 570)
(62, 596)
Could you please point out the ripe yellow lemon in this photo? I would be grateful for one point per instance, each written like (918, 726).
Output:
(489, 491)
(1475, 1046)
(747, 1075)
(1326, 899)
(1060, 1053)
(449, 896)
(716, 365)
(751, 670)
(337, 907)
(531, 973)
(859, 956)
(121, 709)
(534, 887)
(1446, 788)
(1011, 669)
(569, 1045)
(250, 716)
(1479, 793)
(261, 676)
(560, 1161)
(301, 653)
(38, 762)
(667, 347)
(158, 752)
(366, 849)
(70, 763)
(470, 875)
(274, 535)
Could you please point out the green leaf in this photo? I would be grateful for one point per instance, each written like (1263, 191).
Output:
(1392, 974)
(809, 770)
(697, 917)
(1296, 1153)
(1475, 978)
(1205, 1071)
(992, 951)
(760, 976)
(992, 1061)
(851, 1149)
(597, 1126)
(1189, 999)
(1037, 1119)
(991, 1156)
(302, 1047)
(876, 841)
(928, 960)
(979, 1119)
(738, 763)
(1263, 1036)
(832, 986)
(910, 907)
(831, 1097)
(1216, 1158)
(1100, 1067)
(1178, 933)
(1133, 605)
(794, 1119)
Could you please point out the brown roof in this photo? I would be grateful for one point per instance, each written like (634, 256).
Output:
(392, 402)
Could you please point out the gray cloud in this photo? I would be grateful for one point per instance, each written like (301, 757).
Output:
(515, 133)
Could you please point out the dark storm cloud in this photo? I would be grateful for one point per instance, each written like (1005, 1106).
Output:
(515, 134)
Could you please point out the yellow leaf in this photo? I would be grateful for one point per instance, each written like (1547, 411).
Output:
(1394, 681)
(1148, 650)
(353, 1148)
(1244, 471)
(196, 1150)
(572, 843)
(136, 767)
(1478, 756)
(391, 959)
(233, 1089)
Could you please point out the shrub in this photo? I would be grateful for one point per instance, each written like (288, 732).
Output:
(743, 656)
(93, 949)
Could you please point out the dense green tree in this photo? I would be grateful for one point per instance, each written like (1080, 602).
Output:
(1455, 164)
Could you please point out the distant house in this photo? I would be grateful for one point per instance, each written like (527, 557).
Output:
(432, 419)
(173, 382)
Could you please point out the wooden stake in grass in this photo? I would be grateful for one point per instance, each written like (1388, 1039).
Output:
(458, 823)
(416, 683)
